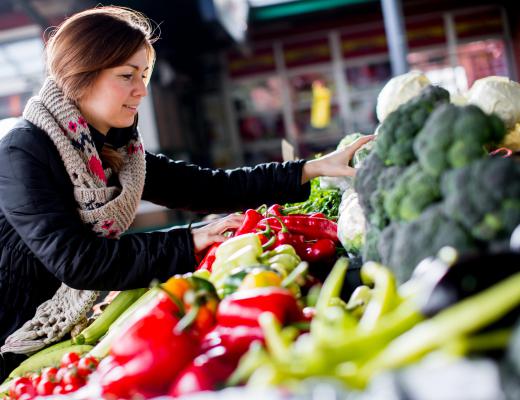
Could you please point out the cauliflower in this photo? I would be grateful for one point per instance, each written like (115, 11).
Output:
(346, 183)
(351, 223)
(398, 91)
(497, 94)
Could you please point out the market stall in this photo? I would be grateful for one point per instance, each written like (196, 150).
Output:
(386, 285)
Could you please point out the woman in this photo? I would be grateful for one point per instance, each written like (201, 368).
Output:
(72, 173)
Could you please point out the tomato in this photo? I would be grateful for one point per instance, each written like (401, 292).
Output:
(70, 358)
(71, 377)
(70, 388)
(20, 386)
(61, 373)
(45, 387)
(49, 374)
(58, 389)
(86, 366)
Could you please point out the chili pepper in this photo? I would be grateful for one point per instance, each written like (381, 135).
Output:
(318, 215)
(322, 249)
(147, 356)
(209, 258)
(274, 210)
(266, 237)
(209, 371)
(310, 227)
(463, 318)
(244, 307)
(252, 217)
(384, 295)
(232, 245)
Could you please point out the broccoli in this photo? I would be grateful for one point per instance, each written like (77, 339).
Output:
(455, 136)
(385, 183)
(394, 143)
(484, 197)
(403, 245)
(365, 182)
(370, 249)
(411, 193)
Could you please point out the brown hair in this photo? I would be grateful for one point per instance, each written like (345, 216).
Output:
(93, 40)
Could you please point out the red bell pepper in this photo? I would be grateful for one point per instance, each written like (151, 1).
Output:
(209, 371)
(147, 357)
(252, 217)
(311, 227)
(244, 307)
(236, 339)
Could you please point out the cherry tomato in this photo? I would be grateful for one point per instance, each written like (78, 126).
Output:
(45, 387)
(70, 388)
(87, 365)
(71, 358)
(71, 377)
(58, 389)
(61, 373)
(49, 374)
(20, 386)
(26, 396)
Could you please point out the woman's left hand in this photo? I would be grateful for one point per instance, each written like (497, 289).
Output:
(335, 163)
(213, 232)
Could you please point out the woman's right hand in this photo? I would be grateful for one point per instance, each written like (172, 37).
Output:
(214, 231)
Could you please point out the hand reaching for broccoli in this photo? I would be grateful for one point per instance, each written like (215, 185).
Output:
(335, 163)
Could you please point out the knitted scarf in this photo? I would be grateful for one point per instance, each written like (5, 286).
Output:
(107, 210)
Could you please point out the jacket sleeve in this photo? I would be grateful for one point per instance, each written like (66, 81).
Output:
(48, 223)
(178, 184)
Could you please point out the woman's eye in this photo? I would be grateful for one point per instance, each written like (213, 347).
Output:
(127, 76)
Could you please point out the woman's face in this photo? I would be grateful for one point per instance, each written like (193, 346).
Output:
(113, 99)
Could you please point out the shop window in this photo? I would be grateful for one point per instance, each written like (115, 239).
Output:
(482, 58)
(258, 105)
(436, 65)
(368, 76)
(302, 101)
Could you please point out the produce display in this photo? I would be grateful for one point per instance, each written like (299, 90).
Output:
(376, 287)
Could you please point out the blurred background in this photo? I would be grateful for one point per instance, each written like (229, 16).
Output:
(235, 77)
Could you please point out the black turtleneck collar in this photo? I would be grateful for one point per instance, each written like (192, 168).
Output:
(98, 138)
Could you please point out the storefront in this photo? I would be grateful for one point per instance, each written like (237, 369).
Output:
(269, 92)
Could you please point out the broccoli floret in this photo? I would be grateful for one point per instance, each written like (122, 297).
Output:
(394, 143)
(385, 183)
(455, 136)
(412, 192)
(370, 248)
(365, 182)
(484, 197)
(403, 245)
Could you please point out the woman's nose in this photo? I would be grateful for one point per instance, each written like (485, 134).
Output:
(140, 89)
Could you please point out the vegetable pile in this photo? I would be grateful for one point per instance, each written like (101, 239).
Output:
(430, 183)
(436, 217)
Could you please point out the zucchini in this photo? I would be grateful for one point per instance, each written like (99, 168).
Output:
(126, 318)
(99, 327)
(55, 346)
(49, 359)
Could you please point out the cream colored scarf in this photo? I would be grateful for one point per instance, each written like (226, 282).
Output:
(108, 210)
